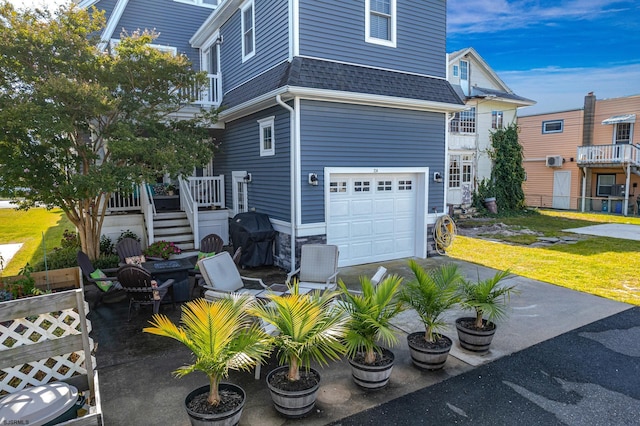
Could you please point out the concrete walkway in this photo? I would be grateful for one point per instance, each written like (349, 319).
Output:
(138, 388)
(614, 230)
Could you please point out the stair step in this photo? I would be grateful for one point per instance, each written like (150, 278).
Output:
(168, 223)
(170, 215)
(173, 230)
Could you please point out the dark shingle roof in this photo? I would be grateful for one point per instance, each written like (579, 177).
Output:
(482, 92)
(326, 75)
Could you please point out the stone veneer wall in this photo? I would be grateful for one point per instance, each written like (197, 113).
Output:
(282, 248)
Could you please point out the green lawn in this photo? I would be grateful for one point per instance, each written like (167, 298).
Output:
(27, 227)
(607, 267)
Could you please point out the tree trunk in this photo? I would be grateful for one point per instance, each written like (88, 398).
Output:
(478, 319)
(294, 370)
(88, 216)
(370, 356)
(214, 396)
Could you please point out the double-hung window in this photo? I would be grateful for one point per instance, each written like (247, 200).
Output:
(248, 30)
(622, 133)
(464, 121)
(267, 137)
(380, 22)
(497, 118)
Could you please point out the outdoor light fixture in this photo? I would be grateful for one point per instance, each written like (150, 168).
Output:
(247, 178)
(437, 177)
(219, 40)
(313, 179)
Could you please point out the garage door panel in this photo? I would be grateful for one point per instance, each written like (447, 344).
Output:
(361, 207)
(384, 207)
(384, 227)
(361, 229)
(339, 209)
(339, 230)
(361, 250)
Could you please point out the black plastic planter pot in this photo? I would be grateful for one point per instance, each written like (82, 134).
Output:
(293, 404)
(425, 357)
(229, 418)
(372, 377)
(473, 339)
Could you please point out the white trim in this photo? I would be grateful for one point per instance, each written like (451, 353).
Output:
(249, 4)
(268, 122)
(625, 118)
(422, 197)
(393, 24)
(159, 47)
(306, 230)
(298, 161)
(114, 18)
(294, 29)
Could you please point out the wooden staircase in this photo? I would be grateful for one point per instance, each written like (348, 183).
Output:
(174, 226)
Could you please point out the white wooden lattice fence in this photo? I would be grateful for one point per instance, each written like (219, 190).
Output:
(44, 339)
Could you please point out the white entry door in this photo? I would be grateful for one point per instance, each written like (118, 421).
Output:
(372, 217)
(561, 189)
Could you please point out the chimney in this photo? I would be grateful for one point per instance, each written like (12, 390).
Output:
(588, 119)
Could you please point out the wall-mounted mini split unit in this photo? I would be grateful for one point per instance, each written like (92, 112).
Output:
(554, 161)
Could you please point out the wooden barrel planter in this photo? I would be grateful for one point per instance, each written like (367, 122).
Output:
(293, 404)
(229, 418)
(473, 339)
(428, 357)
(372, 377)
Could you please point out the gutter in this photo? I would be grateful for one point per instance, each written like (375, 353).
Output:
(292, 164)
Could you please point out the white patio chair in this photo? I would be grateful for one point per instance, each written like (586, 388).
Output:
(318, 267)
(221, 277)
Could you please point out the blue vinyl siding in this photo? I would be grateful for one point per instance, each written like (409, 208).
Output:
(269, 192)
(107, 6)
(272, 43)
(161, 15)
(342, 135)
(335, 30)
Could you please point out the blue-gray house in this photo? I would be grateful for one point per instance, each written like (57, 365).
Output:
(335, 113)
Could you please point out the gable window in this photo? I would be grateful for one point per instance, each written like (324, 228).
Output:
(455, 70)
(248, 31)
(380, 22)
(497, 118)
(622, 133)
(605, 183)
(267, 137)
(464, 70)
(464, 121)
(553, 126)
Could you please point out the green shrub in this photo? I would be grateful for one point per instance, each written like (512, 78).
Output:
(59, 258)
(106, 261)
(106, 245)
(128, 234)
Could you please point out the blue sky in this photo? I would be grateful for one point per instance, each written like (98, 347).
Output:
(553, 52)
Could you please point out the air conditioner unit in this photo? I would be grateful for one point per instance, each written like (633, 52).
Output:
(554, 161)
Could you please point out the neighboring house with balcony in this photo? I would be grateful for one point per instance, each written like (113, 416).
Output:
(585, 159)
(333, 122)
(491, 105)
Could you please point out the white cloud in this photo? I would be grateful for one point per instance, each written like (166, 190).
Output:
(487, 16)
(557, 89)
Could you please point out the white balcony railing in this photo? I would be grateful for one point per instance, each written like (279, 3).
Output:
(207, 191)
(609, 154)
(210, 95)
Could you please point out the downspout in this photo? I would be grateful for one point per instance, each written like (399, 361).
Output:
(292, 165)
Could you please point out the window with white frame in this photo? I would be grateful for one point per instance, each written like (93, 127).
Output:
(497, 118)
(464, 121)
(454, 171)
(605, 183)
(206, 3)
(460, 170)
(455, 70)
(464, 70)
(248, 30)
(553, 126)
(114, 42)
(622, 133)
(380, 22)
(267, 136)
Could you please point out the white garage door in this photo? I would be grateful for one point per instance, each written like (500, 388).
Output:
(372, 217)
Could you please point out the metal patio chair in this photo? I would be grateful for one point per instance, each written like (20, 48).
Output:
(221, 277)
(318, 267)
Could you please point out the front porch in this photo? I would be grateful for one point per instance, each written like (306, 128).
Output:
(195, 208)
(619, 197)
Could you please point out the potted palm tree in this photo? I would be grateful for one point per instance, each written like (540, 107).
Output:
(431, 294)
(308, 327)
(370, 314)
(222, 337)
(489, 300)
